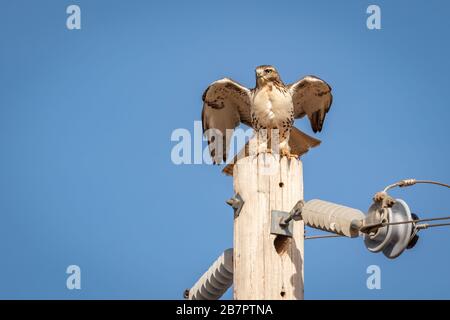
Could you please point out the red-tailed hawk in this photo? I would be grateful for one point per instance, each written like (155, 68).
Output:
(270, 105)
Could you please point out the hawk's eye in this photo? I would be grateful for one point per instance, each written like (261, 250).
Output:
(268, 70)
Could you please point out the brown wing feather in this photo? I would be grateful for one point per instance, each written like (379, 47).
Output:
(311, 96)
(226, 104)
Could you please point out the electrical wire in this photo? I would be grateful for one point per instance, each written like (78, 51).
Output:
(426, 226)
(410, 182)
(323, 236)
(384, 224)
(380, 225)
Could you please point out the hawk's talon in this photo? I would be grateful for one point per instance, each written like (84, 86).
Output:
(269, 151)
(286, 153)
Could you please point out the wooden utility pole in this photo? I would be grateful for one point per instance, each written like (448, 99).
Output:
(269, 219)
(267, 266)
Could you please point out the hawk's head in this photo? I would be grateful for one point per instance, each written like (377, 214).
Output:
(266, 74)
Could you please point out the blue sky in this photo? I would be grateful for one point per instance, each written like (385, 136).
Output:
(86, 117)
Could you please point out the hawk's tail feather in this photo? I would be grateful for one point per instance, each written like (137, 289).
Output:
(299, 142)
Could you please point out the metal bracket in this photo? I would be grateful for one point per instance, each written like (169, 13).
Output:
(236, 202)
(280, 222)
(277, 225)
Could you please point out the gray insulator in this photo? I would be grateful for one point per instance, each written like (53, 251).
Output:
(332, 217)
(392, 240)
(214, 282)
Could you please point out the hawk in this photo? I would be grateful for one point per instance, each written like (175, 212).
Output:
(270, 105)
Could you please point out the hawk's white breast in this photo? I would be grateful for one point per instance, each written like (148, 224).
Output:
(271, 106)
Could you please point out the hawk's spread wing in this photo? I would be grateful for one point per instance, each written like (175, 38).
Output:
(226, 103)
(311, 96)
